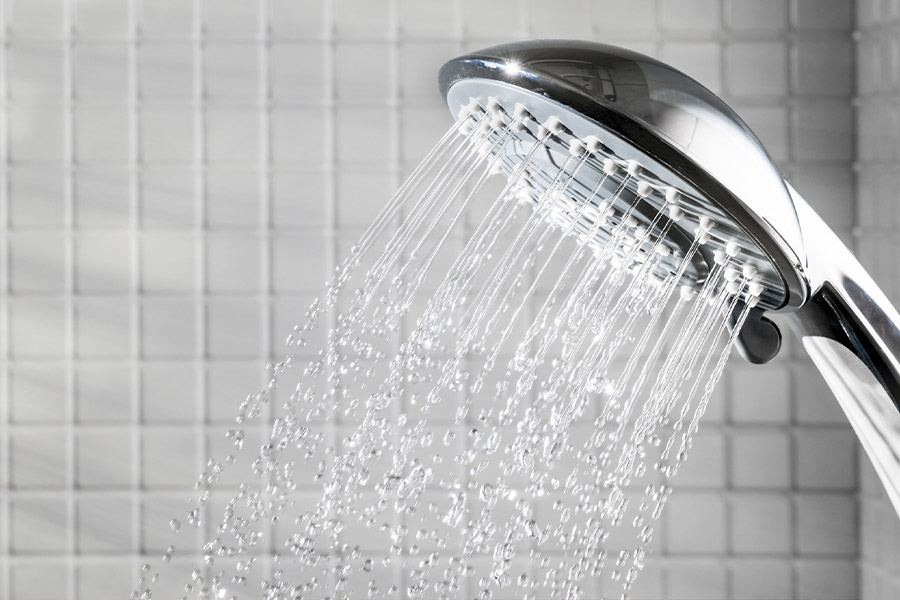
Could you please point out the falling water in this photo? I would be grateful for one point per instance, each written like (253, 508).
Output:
(498, 404)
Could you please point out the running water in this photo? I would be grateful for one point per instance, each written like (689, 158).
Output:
(498, 404)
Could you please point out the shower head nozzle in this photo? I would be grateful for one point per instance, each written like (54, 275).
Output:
(659, 141)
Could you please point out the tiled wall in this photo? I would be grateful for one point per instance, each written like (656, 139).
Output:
(878, 143)
(178, 177)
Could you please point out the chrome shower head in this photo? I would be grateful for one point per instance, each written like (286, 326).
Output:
(661, 135)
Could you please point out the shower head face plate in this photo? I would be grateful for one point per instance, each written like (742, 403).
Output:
(681, 134)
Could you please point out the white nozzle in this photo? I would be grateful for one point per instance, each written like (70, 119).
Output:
(732, 274)
(749, 272)
(518, 125)
(756, 289)
(576, 147)
(640, 233)
(610, 167)
(703, 237)
(474, 107)
(496, 168)
(675, 213)
(673, 196)
(493, 105)
(753, 301)
(644, 189)
(663, 250)
(732, 249)
(497, 123)
(593, 143)
(687, 292)
(631, 221)
(733, 288)
(542, 132)
(634, 168)
(719, 257)
(520, 112)
(706, 223)
(554, 125)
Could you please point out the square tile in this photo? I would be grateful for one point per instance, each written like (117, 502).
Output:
(760, 579)
(491, 19)
(827, 580)
(37, 394)
(695, 523)
(37, 262)
(35, 71)
(826, 459)
(361, 72)
(102, 262)
(103, 459)
(761, 524)
(102, 71)
(167, 134)
(697, 580)
(300, 199)
(705, 465)
(832, 188)
(419, 61)
(823, 15)
(290, 130)
(362, 135)
(233, 198)
(299, 263)
(826, 525)
(39, 580)
(102, 19)
(564, 19)
(34, 328)
(39, 525)
(36, 196)
(157, 511)
(168, 393)
(103, 394)
(823, 68)
(235, 328)
(102, 197)
(822, 132)
(760, 459)
(169, 458)
(108, 580)
(756, 68)
(691, 15)
(360, 18)
(36, 16)
(166, 19)
(227, 385)
(102, 133)
(168, 328)
(38, 460)
(231, 71)
(103, 327)
(297, 71)
(36, 134)
(233, 262)
(233, 19)
(232, 135)
(426, 18)
(761, 15)
(104, 523)
(761, 394)
(361, 195)
(168, 262)
(168, 197)
(166, 70)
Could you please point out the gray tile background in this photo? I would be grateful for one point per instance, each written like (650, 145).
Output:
(177, 177)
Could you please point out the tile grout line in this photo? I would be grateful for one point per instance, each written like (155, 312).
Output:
(5, 370)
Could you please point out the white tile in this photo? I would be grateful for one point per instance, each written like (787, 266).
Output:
(38, 460)
(761, 524)
(39, 525)
(107, 580)
(35, 327)
(35, 71)
(101, 19)
(705, 465)
(760, 459)
(362, 135)
(233, 19)
(756, 68)
(691, 15)
(697, 580)
(102, 133)
(102, 394)
(227, 385)
(103, 459)
(234, 328)
(432, 18)
(36, 197)
(102, 197)
(419, 64)
(231, 71)
(103, 327)
(169, 459)
(37, 262)
(361, 196)
(292, 132)
(102, 262)
(167, 328)
(157, 510)
(762, 15)
(823, 68)
(101, 71)
(167, 198)
(422, 128)
(830, 192)
(44, 17)
(290, 19)
(761, 394)
(37, 394)
(491, 19)
(36, 581)
(826, 459)
(695, 523)
(362, 72)
(827, 580)
(36, 133)
(168, 262)
(823, 15)
(233, 198)
(360, 18)
(297, 71)
(232, 135)
(288, 311)
(824, 132)
(299, 199)
(299, 263)
(166, 71)
(563, 19)
(233, 262)
(168, 393)
(826, 525)
(761, 579)
(166, 19)
(167, 134)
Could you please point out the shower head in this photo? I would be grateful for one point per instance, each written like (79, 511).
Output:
(659, 138)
